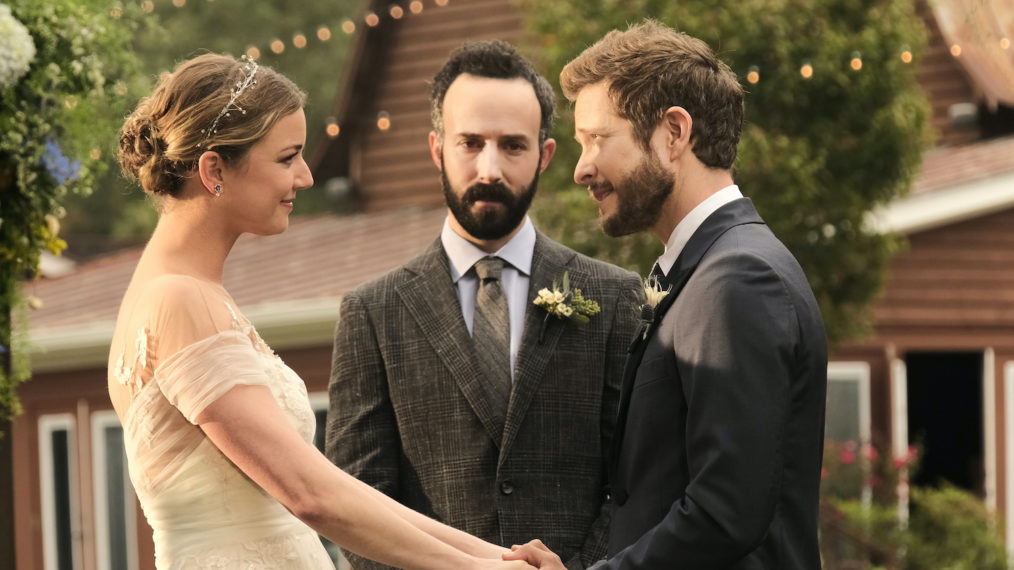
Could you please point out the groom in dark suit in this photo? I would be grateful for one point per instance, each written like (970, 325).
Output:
(451, 390)
(720, 429)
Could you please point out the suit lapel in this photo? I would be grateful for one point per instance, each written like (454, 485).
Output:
(735, 213)
(433, 302)
(540, 337)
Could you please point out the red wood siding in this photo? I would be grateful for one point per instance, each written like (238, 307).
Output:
(953, 288)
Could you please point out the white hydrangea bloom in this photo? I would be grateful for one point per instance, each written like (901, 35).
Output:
(17, 50)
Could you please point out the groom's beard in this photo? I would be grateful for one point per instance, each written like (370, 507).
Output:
(488, 223)
(639, 197)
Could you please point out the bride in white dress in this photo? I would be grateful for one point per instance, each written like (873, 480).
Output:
(218, 429)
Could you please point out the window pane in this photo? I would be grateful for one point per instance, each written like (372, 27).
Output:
(318, 436)
(843, 410)
(117, 492)
(60, 446)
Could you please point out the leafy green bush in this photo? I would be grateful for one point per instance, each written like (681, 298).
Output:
(952, 529)
(58, 117)
(870, 518)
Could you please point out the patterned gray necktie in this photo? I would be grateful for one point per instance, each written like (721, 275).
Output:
(491, 329)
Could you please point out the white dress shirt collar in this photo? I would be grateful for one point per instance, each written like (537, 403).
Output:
(689, 224)
(463, 254)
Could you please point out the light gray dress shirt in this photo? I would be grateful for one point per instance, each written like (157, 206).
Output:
(517, 254)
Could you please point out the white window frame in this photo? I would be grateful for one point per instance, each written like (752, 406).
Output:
(1008, 407)
(48, 424)
(899, 430)
(859, 373)
(989, 427)
(100, 422)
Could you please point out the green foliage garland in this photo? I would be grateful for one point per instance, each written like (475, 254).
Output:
(58, 120)
(816, 154)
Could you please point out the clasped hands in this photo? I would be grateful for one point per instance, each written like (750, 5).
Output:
(536, 554)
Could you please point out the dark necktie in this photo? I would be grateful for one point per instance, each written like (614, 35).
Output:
(491, 328)
(656, 276)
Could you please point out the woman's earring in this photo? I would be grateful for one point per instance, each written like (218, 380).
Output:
(218, 190)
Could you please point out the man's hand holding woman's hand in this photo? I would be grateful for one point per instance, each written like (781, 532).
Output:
(536, 554)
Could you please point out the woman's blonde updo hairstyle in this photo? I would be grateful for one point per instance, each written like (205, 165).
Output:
(162, 140)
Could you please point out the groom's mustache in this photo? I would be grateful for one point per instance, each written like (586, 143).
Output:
(494, 192)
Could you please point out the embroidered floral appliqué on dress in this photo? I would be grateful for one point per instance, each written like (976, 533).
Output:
(205, 512)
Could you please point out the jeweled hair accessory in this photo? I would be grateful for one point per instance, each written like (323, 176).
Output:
(249, 71)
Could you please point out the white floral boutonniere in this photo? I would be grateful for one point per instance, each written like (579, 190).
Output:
(653, 295)
(653, 292)
(565, 303)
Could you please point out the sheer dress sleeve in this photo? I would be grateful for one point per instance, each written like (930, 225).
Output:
(184, 346)
(202, 372)
(204, 348)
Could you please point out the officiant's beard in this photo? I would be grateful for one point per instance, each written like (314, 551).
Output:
(639, 198)
(489, 223)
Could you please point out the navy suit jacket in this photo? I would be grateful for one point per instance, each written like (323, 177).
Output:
(721, 423)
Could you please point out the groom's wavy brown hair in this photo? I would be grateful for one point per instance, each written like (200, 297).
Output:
(650, 68)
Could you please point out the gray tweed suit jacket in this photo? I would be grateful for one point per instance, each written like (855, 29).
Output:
(410, 415)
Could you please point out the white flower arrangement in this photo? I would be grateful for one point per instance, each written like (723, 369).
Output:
(564, 303)
(17, 50)
(653, 295)
(653, 292)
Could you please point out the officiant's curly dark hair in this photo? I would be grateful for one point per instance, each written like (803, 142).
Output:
(494, 59)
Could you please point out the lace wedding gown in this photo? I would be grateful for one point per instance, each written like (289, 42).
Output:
(179, 345)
